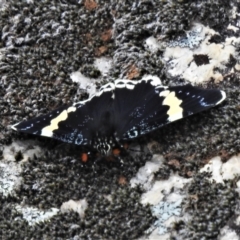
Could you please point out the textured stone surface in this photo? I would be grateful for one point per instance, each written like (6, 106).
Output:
(42, 43)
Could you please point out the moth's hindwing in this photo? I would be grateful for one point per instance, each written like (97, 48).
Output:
(123, 110)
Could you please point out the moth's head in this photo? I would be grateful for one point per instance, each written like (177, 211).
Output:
(103, 146)
(107, 146)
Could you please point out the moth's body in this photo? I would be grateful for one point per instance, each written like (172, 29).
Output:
(121, 111)
(104, 136)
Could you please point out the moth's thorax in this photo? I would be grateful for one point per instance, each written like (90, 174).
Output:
(105, 125)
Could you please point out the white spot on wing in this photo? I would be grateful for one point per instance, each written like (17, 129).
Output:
(120, 84)
(107, 88)
(71, 109)
(161, 87)
(14, 126)
(48, 130)
(175, 111)
(164, 93)
(22, 129)
(223, 97)
(154, 80)
(130, 86)
(175, 117)
(80, 103)
(126, 84)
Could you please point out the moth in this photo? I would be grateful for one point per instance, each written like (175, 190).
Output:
(121, 111)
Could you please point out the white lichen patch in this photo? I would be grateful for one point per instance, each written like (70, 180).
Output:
(77, 206)
(223, 171)
(234, 12)
(27, 148)
(226, 234)
(153, 44)
(163, 188)
(34, 216)
(88, 84)
(231, 168)
(103, 64)
(10, 179)
(85, 83)
(10, 169)
(180, 60)
(214, 166)
(192, 39)
(165, 196)
(233, 28)
(145, 174)
(156, 79)
(165, 212)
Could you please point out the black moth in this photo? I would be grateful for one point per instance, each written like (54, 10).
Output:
(122, 110)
